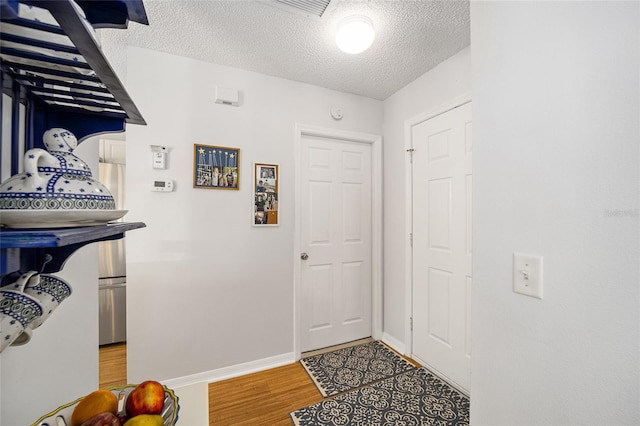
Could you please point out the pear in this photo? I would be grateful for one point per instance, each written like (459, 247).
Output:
(145, 420)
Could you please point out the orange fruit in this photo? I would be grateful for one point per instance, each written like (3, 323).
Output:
(100, 401)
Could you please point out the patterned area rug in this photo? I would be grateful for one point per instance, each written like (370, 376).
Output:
(414, 398)
(349, 368)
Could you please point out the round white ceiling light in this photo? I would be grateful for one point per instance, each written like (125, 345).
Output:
(355, 34)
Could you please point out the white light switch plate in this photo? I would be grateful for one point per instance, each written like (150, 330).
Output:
(527, 274)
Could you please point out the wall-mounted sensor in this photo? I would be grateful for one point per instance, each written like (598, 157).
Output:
(159, 156)
(159, 160)
(336, 113)
(226, 96)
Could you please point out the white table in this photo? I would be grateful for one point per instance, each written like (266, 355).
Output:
(194, 404)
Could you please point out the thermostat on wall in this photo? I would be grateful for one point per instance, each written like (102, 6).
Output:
(162, 185)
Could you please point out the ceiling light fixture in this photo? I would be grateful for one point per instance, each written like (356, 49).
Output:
(355, 34)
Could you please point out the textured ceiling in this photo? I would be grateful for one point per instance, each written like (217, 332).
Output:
(411, 38)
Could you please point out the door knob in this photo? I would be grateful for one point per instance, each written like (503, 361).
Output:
(304, 256)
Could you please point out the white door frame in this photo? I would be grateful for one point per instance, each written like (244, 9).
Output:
(375, 141)
(408, 286)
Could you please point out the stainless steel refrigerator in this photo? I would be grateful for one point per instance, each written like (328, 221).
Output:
(112, 294)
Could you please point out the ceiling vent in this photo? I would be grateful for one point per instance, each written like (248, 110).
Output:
(313, 9)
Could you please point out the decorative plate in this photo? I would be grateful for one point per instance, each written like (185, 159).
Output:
(27, 218)
(169, 412)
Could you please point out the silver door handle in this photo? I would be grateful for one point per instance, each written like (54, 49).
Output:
(304, 256)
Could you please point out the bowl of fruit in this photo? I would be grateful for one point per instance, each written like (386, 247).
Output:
(146, 404)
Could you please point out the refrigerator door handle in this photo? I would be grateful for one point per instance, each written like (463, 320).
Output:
(110, 286)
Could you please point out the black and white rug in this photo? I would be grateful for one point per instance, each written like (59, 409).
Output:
(349, 368)
(414, 398)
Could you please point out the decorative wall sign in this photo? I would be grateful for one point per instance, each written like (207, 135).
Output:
(265, 195)
(216, 167)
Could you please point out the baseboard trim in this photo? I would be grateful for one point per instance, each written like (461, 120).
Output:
(232, 371)
(394, 343)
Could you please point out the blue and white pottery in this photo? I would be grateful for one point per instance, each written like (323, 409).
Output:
(17, 311)
(49, 291)
(55, 179)
(21, 282)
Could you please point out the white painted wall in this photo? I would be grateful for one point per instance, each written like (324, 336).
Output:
(445, 82)
(556, 147)
(206, 290)
(556, 173)
(60, 363)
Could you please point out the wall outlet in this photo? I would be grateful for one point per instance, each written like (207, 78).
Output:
(527, 274)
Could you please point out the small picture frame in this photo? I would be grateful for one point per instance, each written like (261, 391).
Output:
(265, 195)
(216, 167)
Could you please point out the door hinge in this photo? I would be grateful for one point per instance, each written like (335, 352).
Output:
(411, 151)
(411, 239)
(411, 323)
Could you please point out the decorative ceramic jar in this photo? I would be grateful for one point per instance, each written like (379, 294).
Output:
(55, 179)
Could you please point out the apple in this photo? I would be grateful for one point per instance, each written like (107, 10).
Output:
(146, 398)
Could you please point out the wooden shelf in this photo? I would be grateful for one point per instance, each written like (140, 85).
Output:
(73, 76)
(60, 237)
(53, 68)
(47, 250)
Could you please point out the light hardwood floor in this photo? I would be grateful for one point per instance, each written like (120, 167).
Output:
(260, 399)
(113, 365)
(263, 398)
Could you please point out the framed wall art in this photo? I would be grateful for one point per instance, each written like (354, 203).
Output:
(216, 167)
(265, 194)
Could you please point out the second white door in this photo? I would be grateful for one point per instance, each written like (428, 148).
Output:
(442, 244)
(335, 241)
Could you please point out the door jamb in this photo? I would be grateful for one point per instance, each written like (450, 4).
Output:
(375, 141)
(408, 143)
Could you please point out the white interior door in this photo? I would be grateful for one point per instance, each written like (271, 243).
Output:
(442, 244)
(335, 233)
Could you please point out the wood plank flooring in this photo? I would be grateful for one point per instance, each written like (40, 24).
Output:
(113, 365)
(260, 399)
(263, 398)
